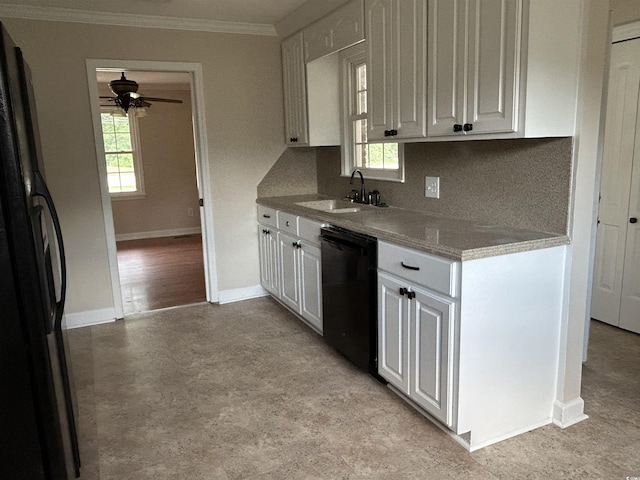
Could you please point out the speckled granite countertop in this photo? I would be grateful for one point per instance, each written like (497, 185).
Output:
(447, 237)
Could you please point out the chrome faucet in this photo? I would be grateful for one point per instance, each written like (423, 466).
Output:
(362, 195)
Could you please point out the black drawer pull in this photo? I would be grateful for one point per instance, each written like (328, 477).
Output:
(411, 295)
(264, 215)
(409, 267)
(403, 291)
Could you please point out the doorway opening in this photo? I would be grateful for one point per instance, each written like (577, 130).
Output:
(616, 280)
(153, 165)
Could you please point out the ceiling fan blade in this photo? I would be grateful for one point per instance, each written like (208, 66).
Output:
(167, 100)
(107, 98)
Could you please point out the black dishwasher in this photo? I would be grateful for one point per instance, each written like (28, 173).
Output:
(349, 295)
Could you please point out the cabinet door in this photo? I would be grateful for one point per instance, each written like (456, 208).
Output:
(295, 91)
(269, 268)
(494, 30)
(396, 65)
(340, 29)
(446, 66)
(274, 265)
(380, 67)
(409, 55)
(289, 280)
(431, 353)
(393, 334)
(311, 284)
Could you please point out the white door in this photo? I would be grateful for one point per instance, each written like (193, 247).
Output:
(311, 284)
(289, 280)
(380, 68)
(493, 28)
(614, 237)
(409, 54)
(630, 304)
(431, 353)
(446, 66)
(393, 333)
(295, 91)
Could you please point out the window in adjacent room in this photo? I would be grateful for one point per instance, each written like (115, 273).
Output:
(122, 155)
(382, 161)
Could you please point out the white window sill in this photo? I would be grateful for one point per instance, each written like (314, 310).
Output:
(128, 196)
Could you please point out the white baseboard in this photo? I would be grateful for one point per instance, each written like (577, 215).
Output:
(90, 317)
(570, 413)
(238, 294)
(158, 233)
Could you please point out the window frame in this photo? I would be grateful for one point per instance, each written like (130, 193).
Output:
(136, 152)
(350, 59)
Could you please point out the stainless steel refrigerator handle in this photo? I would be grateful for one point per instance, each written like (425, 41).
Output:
(41, 190)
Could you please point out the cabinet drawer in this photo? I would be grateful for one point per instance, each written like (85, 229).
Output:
(267, 216)
(436, 273)
(309, 230)
(288, 223)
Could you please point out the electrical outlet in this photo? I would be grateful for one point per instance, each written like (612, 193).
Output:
(190, 212)
(432, 187)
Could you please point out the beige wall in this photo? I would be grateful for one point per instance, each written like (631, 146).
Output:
(243, 104)
(169, 167)
(625, 11)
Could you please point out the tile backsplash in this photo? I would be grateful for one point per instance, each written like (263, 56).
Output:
(519, 183)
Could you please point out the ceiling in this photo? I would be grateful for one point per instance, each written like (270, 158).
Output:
(244, 11)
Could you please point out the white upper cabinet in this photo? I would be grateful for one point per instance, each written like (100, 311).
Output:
(396, 65)
(340, 29)
(311, 78)
(473, 59)
(294, 81)
(502, 68)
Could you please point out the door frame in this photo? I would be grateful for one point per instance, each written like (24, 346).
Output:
(202, 167)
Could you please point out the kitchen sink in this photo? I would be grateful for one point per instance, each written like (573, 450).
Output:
(331, 206)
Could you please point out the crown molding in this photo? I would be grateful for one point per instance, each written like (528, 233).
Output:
(56, 14)
(624, 32)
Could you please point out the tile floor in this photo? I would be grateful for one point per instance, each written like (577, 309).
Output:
(246, 391)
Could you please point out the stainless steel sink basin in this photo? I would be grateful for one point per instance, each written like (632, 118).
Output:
(331, 206)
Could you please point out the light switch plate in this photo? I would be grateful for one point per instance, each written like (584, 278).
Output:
(432, 187)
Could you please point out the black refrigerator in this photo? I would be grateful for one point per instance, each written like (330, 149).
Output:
(37, 408)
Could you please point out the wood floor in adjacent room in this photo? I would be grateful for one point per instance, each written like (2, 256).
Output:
(161, 272)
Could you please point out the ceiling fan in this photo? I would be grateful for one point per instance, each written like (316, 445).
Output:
(127, 96)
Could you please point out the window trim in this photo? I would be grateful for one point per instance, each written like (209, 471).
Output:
(349, 59)
(140, 192)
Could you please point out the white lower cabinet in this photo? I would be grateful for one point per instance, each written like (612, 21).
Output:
(290, 262)
(473, 344)
(415, 350)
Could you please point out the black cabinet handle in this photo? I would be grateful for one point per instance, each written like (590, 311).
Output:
(409, 267)
(264, 215)
(403, 291)
(467, 127)
(633, 220)
(390, 133)
(457, 127)
(293, 139)
(411, 295)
